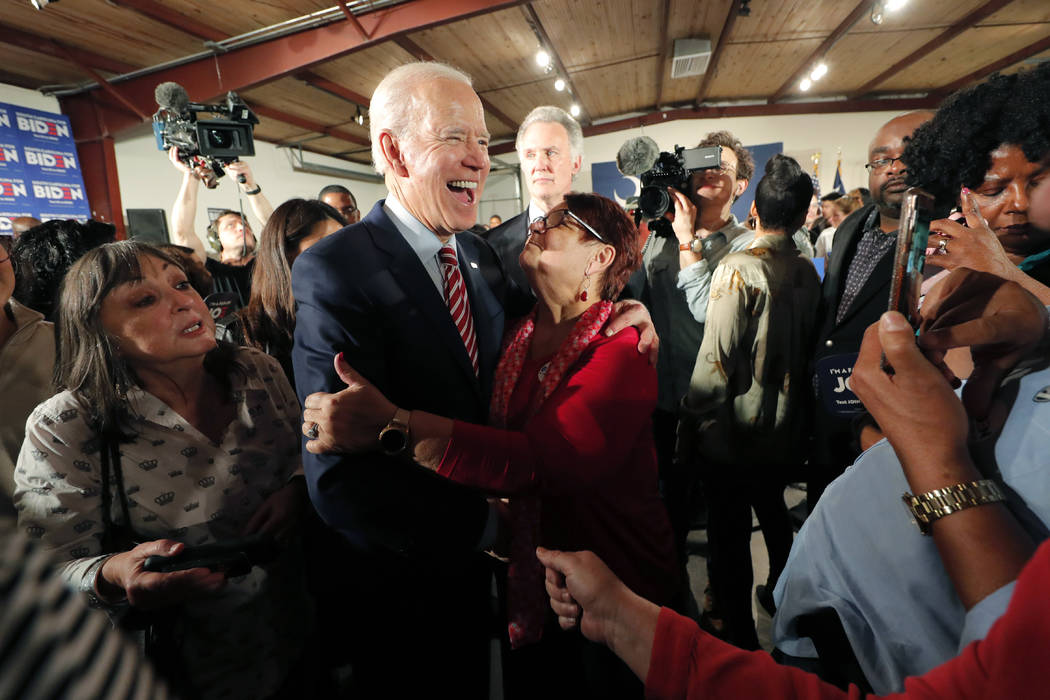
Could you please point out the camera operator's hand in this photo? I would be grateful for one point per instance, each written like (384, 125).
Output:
(684, 224)
(238, 168)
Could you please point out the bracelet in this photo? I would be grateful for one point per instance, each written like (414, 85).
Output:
(257, 190)
(934, 505)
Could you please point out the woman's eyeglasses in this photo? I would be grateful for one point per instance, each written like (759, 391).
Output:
(555, 219)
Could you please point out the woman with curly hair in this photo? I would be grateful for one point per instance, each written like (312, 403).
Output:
(984, 152)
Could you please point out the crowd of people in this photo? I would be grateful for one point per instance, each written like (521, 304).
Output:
(340, 458)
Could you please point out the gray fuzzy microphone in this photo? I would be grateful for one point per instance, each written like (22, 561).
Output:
(172, 97)
(637, 155)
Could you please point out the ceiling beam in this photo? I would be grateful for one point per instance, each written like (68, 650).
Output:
(336, 89)
(110, 90)
(237, 69)
(308, 124)
(44, 45)
(723, 38)
(967, 22)
(755, 110)
(862, 8)
(421, 54)
(534, 21)
(665, 52)
(353, 20)
(165, 15)
(1004, 62)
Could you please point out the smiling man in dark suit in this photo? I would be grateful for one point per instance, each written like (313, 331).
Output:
(550, 148)
(856, 291)
(378, 291)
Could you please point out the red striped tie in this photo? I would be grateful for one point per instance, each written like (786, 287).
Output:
(458, 303)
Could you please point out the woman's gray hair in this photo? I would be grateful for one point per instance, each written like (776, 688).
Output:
(395, 107)
(554, 115)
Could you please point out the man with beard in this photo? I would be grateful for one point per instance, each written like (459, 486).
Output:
(855, 293)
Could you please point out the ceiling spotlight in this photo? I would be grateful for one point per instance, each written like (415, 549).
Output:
(744, 10)
(359, 118)
(41, 4)
(806, 84)
(559, 84)
(819, 71)
(894, 5)
(543, 59)
(574, 110)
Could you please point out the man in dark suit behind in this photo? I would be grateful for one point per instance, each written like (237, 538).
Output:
(417, 583)
(550, 149)
(856, 290)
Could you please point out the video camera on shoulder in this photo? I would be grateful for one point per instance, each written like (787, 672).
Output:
(211, 143)
(657, 170)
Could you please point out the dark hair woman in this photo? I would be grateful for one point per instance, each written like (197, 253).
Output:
(985, 151)
(569, 441)
(156, 439)
(268, 321)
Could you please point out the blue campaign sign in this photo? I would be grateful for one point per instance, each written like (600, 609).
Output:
(39, 167)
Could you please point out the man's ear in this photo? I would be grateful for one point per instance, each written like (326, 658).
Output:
(577, 162)
(741, 185)
(392, 154)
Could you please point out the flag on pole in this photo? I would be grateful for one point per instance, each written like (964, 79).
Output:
(839, 186)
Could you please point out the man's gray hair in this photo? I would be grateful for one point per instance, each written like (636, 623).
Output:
(554, 115)
(395, 107)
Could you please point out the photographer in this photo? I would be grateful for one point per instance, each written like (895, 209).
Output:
(705, 212)
(232, 272)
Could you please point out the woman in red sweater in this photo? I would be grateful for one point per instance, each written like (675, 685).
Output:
(569, 442)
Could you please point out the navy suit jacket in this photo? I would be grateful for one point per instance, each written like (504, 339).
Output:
(363, 291)
(507, 240)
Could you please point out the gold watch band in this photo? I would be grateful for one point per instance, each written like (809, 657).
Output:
(934, 505)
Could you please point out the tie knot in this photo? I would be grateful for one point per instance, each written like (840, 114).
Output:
(447, 255)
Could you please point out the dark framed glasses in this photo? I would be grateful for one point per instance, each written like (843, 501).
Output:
(555, 219)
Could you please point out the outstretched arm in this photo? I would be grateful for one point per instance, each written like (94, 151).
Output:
(184, 210)
(260, 205)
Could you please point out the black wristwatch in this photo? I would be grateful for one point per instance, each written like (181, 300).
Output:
(393, 439)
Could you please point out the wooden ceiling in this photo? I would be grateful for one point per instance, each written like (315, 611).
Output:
(615, 55)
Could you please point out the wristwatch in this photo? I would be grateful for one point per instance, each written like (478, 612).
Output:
(936, 504)
(694, 246)
(393, 439)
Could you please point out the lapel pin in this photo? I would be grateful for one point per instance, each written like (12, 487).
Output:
(1043, 395)
(474, 265)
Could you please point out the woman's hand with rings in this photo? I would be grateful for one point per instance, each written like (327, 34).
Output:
(348, 421)
(974, 246)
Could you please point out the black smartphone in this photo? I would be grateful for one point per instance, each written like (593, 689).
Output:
(917, 212)
(233, 557)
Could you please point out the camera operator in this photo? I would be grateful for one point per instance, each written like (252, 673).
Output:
(232, 272)
(705, 212)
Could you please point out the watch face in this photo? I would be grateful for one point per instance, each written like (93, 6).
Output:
(393, 440)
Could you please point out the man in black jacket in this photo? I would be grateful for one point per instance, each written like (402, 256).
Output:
(550, 148)
(855, 294)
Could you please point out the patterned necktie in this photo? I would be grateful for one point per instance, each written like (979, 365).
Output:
(458, 303)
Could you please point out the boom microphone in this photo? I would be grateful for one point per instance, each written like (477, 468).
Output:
(172, 97)
(637, 155)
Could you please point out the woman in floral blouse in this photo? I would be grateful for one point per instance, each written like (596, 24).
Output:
(187, 442)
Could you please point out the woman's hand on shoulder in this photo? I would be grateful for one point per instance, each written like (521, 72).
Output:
(124, 575)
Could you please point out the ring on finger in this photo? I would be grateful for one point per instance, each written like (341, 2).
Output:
(313, 431)
(942, 247)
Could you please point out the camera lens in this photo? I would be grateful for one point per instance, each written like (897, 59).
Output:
(218, 138)
(654, 202)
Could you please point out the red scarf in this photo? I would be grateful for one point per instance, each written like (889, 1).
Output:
(526, 596)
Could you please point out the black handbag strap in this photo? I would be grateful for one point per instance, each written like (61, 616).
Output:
(114, 537)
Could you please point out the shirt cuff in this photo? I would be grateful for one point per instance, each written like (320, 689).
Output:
(983, 615)
(693, 274)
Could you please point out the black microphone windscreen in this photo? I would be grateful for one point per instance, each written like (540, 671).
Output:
(637, 155)
(172, 97)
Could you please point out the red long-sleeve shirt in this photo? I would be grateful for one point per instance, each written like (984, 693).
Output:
(1012, 662)
(588, 453)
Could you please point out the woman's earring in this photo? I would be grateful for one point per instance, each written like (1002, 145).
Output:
(584, 284)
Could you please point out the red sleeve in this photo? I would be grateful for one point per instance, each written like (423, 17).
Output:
(1010, 662)
(590, 422)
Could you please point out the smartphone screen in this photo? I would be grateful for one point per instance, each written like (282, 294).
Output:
(916, 214)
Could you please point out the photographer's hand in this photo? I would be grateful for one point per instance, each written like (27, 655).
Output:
(256, 199)
(684, 227)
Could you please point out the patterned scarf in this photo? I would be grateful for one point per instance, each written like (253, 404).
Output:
(526, 596)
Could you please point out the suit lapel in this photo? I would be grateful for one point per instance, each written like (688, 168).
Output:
(409, 273)
(877, 281)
